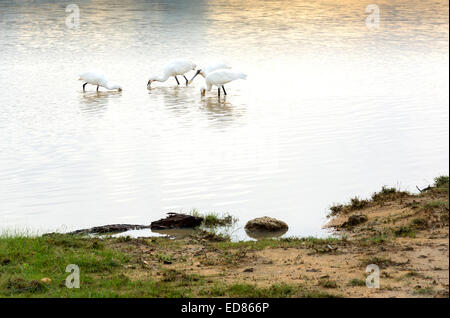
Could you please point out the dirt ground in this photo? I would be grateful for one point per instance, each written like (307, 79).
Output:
(405, 235)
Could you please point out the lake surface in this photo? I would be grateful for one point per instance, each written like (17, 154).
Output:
(330, 109)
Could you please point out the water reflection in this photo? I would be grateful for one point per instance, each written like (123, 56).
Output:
(94, 103)
(219, 111)
(261, 235)
(176, 233)
(176, 99)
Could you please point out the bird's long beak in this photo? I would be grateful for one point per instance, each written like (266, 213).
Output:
(198, 72)
(149, 83)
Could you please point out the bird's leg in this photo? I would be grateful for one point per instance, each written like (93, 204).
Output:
(187, 82)
(84, 85)
(224, 91)
(97, 88)
(178, 83)
(218, 91)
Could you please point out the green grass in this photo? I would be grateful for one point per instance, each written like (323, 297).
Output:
(440, 185)
(356, 282)
(182, 279)
(213, 219)
(424, 291)
(358, 204)
(378, 239)
(26, 260)
(433, 205)
(441, 182)
(104, 272)
(388, 194)
(405, 231)
(419, 223)
(384, 195)
(414, 274)
(355, 204)
(281, 243)
(273, 291)
(335, 209)
(164, 258)
(326, 283)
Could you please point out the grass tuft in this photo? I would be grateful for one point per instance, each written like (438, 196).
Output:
(441, 182)
(388, 194)
(356, 282)
(405, 231)
(326, 283)
(214, 219)
(381, 262)
(358, 204)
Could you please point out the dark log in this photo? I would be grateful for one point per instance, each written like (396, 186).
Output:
(424, 189)
(176, 221)
(112, 228)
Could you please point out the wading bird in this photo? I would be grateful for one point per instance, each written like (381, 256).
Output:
(98, 80)
(219, 78)
(204, 71)
(174, 68)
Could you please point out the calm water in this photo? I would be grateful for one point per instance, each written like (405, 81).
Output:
(330, 109)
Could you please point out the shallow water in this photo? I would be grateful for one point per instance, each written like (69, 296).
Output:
(330, 109)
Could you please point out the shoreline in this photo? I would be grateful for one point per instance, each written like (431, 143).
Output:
(405, 235)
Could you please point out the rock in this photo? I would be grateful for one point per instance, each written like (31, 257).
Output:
(249, 270)
(176, 220)
(313, 270)
(355, 220)
(46, 280)
(266, 224)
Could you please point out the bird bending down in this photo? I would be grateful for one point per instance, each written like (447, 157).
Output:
(99, 80)
(174, 68)
(204, 71)
(219, 78)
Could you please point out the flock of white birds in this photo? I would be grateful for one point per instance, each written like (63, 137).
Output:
(217, 75)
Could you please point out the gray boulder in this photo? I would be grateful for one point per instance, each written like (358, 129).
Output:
(267, 224)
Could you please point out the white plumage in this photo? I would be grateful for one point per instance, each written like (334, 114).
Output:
(98, 80)
(174, 68)
(219, 78)
(204, 71)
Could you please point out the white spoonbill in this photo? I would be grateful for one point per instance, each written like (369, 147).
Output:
(99, 80)
(174, 68)
(204, 71)
(219, 78)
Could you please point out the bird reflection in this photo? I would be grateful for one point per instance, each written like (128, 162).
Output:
(176, 99)
(96, 102)
(219, 109)
(186, 101)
